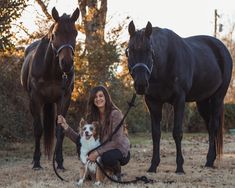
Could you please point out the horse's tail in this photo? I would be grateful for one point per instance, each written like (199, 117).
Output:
(226, 65)
(48, 123)
(219, 134)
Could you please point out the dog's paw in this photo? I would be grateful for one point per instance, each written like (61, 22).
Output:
(97, 183)
(80, 182)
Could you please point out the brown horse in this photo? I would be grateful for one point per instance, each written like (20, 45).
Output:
(169, 69)
(46, 61)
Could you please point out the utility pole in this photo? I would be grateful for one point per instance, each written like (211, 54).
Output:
(215, 26)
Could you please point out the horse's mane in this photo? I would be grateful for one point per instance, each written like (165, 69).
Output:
(50, 30)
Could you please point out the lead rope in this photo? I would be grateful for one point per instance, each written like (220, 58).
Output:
(64, 79)
(137, 179)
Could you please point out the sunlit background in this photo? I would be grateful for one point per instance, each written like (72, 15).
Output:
(105, 62)
(185, 17)
(102, 60)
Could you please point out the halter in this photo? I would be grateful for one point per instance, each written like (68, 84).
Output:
(149, 70)
(57, 51)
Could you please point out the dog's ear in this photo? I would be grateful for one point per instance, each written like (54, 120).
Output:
(82, 122)
(95, 123)
(97, 129)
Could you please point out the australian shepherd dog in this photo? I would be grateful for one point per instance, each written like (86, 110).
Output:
(89, 140)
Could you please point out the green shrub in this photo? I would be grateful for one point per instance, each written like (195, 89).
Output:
(229, 115)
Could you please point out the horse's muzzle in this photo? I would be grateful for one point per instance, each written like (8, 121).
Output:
(141, 89)
(66, 66)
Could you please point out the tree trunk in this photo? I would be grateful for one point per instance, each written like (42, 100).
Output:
(93, 14)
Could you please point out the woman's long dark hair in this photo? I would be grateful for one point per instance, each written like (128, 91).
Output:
(92, 110)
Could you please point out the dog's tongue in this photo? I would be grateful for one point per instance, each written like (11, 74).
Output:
(88, 137)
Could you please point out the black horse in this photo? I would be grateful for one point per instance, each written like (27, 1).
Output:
(169, 69)
(46, 62)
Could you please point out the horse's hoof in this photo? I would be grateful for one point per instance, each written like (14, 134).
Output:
(152, 170)
(209, 165)
(37, 167)
(180, 171)
(59, 167)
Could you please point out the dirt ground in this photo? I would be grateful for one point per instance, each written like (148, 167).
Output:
(16, 168)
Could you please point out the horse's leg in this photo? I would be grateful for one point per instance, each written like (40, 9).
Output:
(35, 108)
(155, 110)
(179, 107)
(213, 129)
(59, 132)
(204, 110)
(58, 149)
(59, 152)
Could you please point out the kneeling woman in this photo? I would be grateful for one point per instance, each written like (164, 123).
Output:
(115, 153)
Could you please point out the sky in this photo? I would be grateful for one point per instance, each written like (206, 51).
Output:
(185, 17)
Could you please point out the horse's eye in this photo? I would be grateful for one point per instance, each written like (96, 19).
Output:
(127, 52)
(129, 67)
(54, 35)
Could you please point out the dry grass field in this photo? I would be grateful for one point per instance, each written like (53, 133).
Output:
(16, 172)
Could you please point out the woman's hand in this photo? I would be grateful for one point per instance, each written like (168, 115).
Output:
(61, 121)
(93, 156)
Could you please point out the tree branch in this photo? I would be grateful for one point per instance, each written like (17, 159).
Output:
(44, 8)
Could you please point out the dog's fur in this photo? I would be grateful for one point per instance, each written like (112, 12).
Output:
(89, 140)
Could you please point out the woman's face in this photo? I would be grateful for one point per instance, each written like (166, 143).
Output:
(99, 100)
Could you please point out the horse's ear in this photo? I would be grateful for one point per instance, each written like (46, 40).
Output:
(55, 14)
(75, 15)
(131, 28)
(148, 29)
